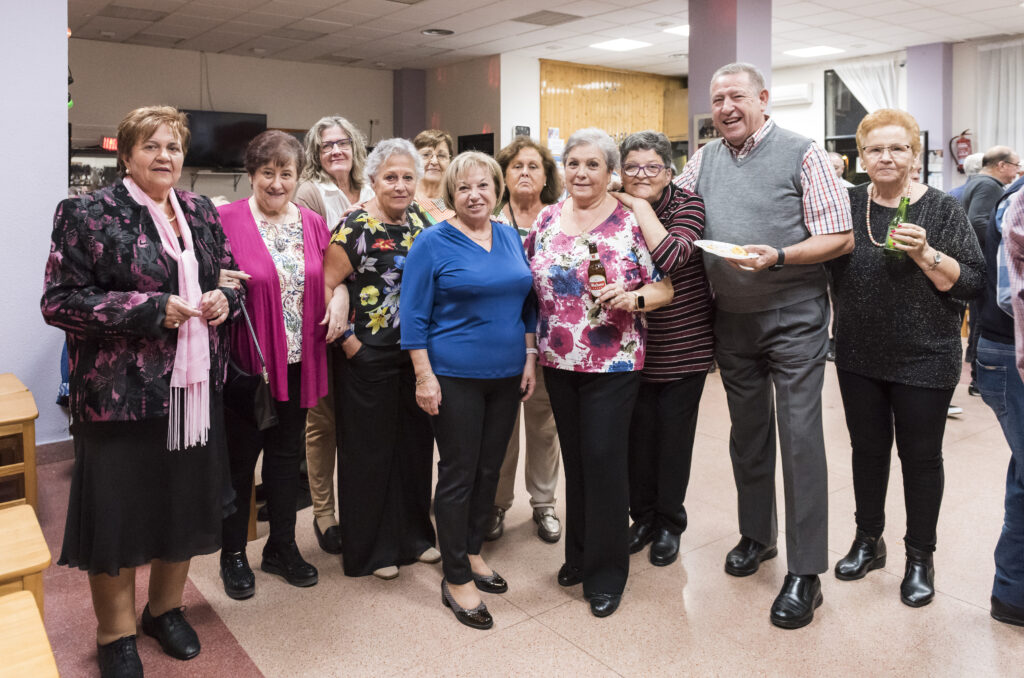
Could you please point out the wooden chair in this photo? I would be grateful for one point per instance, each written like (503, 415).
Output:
(24, 647)
(17, 443)
(23, 553)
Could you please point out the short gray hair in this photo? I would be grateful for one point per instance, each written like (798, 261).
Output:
(752, 71)
(648, 140)
(972, 163)
(593, 136)
(387, 148)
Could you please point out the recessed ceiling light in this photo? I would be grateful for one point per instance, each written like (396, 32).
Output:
(621, 45)
(679, 30)
(436, 31)
(808, 52)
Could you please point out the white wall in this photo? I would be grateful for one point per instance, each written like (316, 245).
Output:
(520, 96)
(113, 78)
(33, 179)
(464, 98)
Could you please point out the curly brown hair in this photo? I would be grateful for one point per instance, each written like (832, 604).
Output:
(552, 179)
(429, 138)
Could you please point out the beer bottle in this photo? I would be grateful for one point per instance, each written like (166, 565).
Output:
(897, 219)
(596, 276)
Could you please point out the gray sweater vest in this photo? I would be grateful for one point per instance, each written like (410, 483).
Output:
(752, 201)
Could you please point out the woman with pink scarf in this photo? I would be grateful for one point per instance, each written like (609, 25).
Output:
(132, 279)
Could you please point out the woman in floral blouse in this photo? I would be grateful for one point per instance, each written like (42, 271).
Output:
(592, 345)
(280, 245)
(385, 445)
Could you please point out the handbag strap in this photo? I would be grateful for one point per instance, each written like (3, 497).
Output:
(256, 343)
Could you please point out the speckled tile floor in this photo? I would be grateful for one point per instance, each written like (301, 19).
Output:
(686, 619)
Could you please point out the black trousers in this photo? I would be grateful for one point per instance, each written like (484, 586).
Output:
(661, 450)
(385, 461)
(875, 411)
(472, 428)
(592, 415)
(283, 451)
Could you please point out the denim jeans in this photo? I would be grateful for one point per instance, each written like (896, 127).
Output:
(1002, 390)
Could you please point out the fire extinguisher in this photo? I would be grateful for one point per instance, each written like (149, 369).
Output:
(960, 148)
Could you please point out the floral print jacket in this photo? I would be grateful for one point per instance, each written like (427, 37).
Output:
(106, 285)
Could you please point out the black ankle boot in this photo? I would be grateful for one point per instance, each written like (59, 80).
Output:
(918, 587)
(867, 553)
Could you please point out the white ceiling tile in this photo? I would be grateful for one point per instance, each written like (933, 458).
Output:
(343, 15)
(198, 9)
(159, 5)
(665, 7)
(291, 9)
(263, 46)
(587, 8)
(151, 40)
(175, 30)
(121, 28)
(235, 4)
(215, 41)
(317, 26)
(242, 28)
(829, 18)
(797, 9)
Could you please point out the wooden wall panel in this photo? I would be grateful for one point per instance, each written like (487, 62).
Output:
(573, 96)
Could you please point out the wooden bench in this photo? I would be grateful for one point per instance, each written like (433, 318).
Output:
(24, 648)
(23, 553)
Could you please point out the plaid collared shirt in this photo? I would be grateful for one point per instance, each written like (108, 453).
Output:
(1013, 237)
(826, 202)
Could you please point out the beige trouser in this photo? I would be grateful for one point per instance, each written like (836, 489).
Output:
(542, 453)
(321, 451)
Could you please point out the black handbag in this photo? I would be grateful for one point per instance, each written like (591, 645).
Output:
(248, 395)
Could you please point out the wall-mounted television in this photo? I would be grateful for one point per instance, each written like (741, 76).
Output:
(219, 138)
(477, 142)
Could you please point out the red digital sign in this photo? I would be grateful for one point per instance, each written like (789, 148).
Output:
(109, 144)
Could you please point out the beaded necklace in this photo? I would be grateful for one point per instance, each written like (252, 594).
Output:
(867, 214)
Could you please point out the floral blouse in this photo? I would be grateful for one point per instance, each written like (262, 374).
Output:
(377, 252)
(574, 331)
(285, 244)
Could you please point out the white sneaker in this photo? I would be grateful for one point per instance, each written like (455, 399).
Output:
(389, 572)
(954, 410)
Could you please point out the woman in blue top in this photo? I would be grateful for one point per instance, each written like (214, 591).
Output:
(468, 319)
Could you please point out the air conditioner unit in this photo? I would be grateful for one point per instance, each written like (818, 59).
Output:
(791, 95)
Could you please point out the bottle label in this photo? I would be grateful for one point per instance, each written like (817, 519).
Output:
(597, 284)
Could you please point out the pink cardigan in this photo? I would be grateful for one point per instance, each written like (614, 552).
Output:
(263, 301)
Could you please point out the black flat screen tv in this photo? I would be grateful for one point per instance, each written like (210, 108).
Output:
(219, 139)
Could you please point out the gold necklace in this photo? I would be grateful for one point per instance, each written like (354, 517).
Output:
(867, 215)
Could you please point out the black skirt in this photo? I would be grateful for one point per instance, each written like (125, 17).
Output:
(133, 500)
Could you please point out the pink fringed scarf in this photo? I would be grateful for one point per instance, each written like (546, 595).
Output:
(190, 378)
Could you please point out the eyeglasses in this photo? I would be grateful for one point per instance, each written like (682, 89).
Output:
(1015, 164)
(652, 170)
(441, 157)
(340, 144)
(895, 151)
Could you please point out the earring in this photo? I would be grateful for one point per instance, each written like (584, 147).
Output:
(127, 171)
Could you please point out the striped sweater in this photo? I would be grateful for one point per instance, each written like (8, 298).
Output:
(679, 335)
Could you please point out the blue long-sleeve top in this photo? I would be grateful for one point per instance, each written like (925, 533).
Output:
(470, 308)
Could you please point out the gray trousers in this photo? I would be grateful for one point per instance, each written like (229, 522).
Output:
(784, 348)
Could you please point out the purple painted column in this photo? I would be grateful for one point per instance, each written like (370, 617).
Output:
(721, 32)
(930, 99)
(409, 92)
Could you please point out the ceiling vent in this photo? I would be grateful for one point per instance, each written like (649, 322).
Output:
(135, 13)
(296, 34)
(339, 59)
(546, 18)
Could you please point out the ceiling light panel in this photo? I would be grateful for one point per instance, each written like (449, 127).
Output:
(620, 45)
(811, 52)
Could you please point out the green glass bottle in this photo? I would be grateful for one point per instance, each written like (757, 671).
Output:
(897, 219)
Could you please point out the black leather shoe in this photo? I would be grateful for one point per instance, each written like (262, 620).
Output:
(867, 553)
(329, 540)
(287, 562)
(119, 659)
(491, 584)
(477, 618)
(972, 389)
(640, 535)
(665, 548)
(603, 604)
(175, 635)
(1006, 613)
(746, 557)
(239, 582)
(495, 524)
(569, 575)
(794, 606)
(918, 586)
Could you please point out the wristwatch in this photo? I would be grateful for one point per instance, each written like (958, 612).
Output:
(639, 302)
(777, 266)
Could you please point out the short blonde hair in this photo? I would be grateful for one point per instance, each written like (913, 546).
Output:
(429, 138)
(884, 117)
(458, 167)
(142, 123)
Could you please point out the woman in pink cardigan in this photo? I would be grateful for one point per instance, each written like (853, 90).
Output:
(281, 247)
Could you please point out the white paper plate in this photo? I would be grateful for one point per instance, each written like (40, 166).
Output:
(724, 249)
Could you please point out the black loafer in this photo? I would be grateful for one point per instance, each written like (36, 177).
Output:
(239, 582)
(867, 553)
(287, 562)
(477, 618)
(794, 606)
(119, 659)
(175, 635)
(1006, 613)
(329, 540)
(490, 584)
(640, 535)
(746, 557)
(569, 575)
(603, 604)
(665, 548)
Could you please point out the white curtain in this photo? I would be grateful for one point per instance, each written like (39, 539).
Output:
(1000, 98)
(875, 82)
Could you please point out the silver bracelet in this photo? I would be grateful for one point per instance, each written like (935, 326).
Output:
(532, 351)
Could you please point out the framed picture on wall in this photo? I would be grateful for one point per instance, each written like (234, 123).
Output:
(706, 132)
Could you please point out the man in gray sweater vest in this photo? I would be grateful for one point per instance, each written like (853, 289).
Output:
(764, 184)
